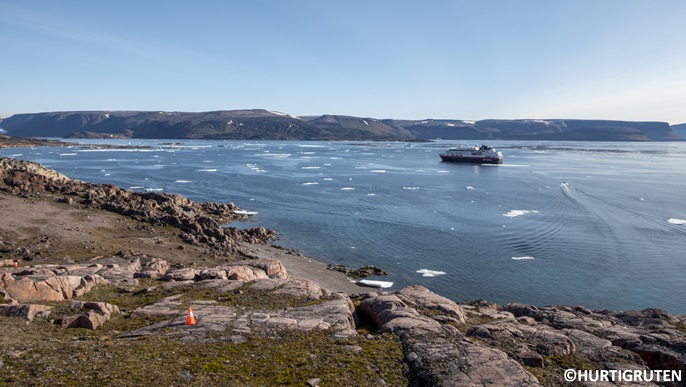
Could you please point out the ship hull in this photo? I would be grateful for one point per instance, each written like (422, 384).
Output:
(473, 160)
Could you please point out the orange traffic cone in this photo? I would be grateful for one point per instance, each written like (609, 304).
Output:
(190, 320)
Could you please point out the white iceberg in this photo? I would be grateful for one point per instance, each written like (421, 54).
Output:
(430, 273)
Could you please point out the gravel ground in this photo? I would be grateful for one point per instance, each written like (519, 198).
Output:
(37, 230)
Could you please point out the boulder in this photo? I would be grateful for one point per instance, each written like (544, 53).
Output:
(446, 360)
(56, 288)
(390, 314)
(88, 320)
(183, 274)
(244, 273)
(27, 311)
(100, 307)
(424, 298)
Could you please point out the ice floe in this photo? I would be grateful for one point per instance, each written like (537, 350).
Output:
(310, 183)
(278, 155)
(208, 170)
(469, 187)
(676, 221)
(430, 273)
(347, 189)
(182, 181)
(411, 188)
(244, 212)
(526, 258)
(514, 213)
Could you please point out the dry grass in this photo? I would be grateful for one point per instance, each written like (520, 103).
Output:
(40, 353)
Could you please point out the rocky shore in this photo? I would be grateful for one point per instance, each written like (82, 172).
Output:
(15, 142)
(104, 278)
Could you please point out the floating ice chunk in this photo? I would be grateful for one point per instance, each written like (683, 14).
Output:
(153, 189)
(310, 167)
(378, 170)
(67, 154)
(182, 181)
(526, 258)
(513, 213)
(469, 187)
(208, 170)
(371, 194)
(411, 188)
(310, 146)
(375, 283)
(327, 179)
(278, 155)
(676, 221)
(310, 183)
(430, 273)
(347, 189)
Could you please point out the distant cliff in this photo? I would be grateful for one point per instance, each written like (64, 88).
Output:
(554, 130)
(261, 124)
(679, 130)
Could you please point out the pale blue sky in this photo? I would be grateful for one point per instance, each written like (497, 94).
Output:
(610, 59)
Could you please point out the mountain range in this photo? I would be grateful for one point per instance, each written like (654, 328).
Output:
(260, 124)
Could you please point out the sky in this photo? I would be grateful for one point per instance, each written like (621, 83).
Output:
(585, 59)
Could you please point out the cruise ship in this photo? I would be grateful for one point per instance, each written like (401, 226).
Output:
(473, 154)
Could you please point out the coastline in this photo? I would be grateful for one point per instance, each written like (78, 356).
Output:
(52, 220)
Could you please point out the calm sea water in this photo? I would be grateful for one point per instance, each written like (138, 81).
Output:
(593, 224)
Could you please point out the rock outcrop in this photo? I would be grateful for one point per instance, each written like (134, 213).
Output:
(97, 314)
(200, 223)
(479, 343)
(27, 311)
(363, 272)
(217, 322)
(444, 343)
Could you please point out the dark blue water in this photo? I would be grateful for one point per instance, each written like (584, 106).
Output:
(558, 223)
